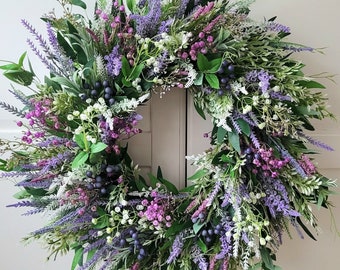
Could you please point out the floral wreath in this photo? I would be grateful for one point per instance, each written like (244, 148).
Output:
(255, 181)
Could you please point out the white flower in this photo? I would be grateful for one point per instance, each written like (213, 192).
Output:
(83, 117)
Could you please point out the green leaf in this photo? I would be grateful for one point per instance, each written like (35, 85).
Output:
(177, 227)
(159, 172)
(126, 69)
(20, 76)
(199, 110)
(98, 147)
(94, 158)
(153, 180)
(66, 46)
(244, 126)
(36, 191)
(202, 62)
(221, 132)
(136, 71)
(267, 260)
(311, 84)
(305, 228)
(78, 258)
(199, 174)
(197, 227)
(141, 184)
(71, 87)
(131, 4)
(202, 246)
(79, 138)
(78, 3)
(170, 186)
(234, 140)
(80, 159)
(22, 194)
(214, 65)
(213, 81)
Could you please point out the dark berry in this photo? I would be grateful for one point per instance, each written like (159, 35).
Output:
(89, 174)
(111, 101)
(86, 86)
(97, 85)
(94, 92)
(106, 83)
(231, 68)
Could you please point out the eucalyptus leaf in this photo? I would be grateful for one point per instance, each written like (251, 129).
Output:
(197, 227)
(79, 3)
(234, 140)
(221, 132)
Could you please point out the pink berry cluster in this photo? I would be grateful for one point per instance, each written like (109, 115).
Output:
(39, 116)
(156, 212)
(264, 161)
(76, 196)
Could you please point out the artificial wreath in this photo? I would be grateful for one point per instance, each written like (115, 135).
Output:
(256, 181)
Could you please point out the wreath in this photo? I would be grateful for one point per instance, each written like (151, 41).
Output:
(255, 182)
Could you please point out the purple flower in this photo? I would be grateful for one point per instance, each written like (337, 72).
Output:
(176, 248)
(277, 27)
(182, 8)
(114, 62)
(147, 25)
(198, 258)
(262, 77)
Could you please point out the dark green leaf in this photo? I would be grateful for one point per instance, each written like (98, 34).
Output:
(36, 191)
(267, 260)
(136, 71)
(170, 186)
(202, 246)
(80, 159)
(221, 132)
(234, 140)
(244, 126)
(202, 62)
(66, 46)
(126, 69)
(159, 172)
(213, 81)
(95, 158)
(153, 180)
(20, 76)
(141, 184)
(98, 147)
(78, 3)
(311, 84)
(177, 227)
(199, 110)
(305, 229)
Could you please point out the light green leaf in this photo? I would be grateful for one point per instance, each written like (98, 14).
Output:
(199, 110)
(22, 194)
(78, 258)
(80, 159)
(199, 174)
(126, 69)
(213, 81)
(199, 79)
(98, 147)
(214, 65)
(197, 227)
(79, 138)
